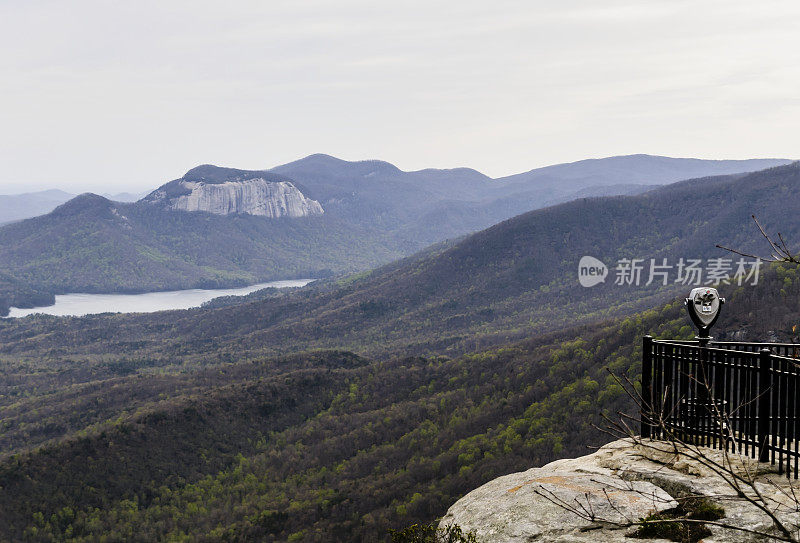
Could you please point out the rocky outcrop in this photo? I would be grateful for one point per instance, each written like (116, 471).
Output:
(620, 482)
(238, 191)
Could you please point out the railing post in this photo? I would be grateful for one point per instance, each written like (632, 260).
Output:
(764, 379)
(684, 387)
(647, 386)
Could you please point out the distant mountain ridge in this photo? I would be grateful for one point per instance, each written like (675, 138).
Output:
(325, 216)
(17, 207)
(639, 169)
(339, 180)
(513, 280)
(429, 205)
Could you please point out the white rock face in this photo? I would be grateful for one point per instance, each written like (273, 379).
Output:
(252, 196)
(620, 481)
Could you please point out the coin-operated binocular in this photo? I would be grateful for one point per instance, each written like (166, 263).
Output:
(703, 305)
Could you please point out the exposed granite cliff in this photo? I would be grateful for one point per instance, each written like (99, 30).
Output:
(620, 481)
(224, 191)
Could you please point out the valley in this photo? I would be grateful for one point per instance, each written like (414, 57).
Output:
(508, 282)
(368, 401)
(320, 216)
(325, 444)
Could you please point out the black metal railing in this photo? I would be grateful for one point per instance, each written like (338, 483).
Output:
(735, 396)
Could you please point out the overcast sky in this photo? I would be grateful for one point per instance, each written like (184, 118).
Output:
(110, 96)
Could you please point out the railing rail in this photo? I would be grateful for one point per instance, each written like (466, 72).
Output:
(736, 396)
(789, 350)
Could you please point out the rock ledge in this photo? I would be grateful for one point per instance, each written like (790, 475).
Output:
(622, 480)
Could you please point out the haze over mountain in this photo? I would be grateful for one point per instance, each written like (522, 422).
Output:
(320, 215)
(15, 207)
(200, 422)
(333, 178)
(430, 205)
(513, 280)
(632, 169)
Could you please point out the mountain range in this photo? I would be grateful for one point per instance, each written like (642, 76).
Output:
(513, 280)
(318, 216)
(427, 206)
(371, 401)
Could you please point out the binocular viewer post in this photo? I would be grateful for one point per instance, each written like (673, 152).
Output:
(703, 305)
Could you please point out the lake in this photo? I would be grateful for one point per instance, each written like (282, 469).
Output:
(87, 304)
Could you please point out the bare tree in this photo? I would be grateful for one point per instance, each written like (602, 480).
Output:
(779, 251)
(740, 475)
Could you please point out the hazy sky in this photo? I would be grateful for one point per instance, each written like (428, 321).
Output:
(109, 96)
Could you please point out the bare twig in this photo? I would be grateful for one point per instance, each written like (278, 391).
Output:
(733, 470)
(779, 251)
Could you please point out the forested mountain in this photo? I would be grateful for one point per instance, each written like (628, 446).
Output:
(472, 359)
(91, 244)
(629, 169)
(513, 280)
(429, 205)
(323, 446)
(348, 216)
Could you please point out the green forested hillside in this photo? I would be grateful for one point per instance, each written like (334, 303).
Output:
(91, 244)
(318, 446)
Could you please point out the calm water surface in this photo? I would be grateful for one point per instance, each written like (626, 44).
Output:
(87, 304)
